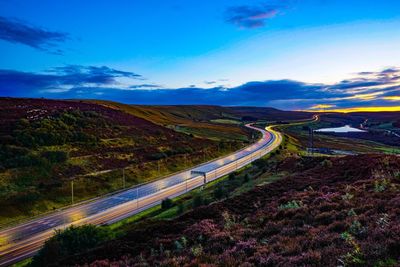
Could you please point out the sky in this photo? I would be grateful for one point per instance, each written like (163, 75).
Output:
(338, 55)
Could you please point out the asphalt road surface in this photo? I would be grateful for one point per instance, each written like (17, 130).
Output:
(24, 240)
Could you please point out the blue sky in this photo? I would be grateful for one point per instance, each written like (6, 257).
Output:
(226, 52)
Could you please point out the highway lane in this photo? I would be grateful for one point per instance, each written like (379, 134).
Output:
(24, 240)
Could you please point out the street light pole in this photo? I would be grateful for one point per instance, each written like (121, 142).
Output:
(123, 177)
(186, 188)
(137, 197)
(72, 192)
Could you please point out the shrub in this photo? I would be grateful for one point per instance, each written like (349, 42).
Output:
(198, 200)
(69, 242)
(347, 196)
(356, 228)
(166, 204)
(260, 163)
(55, 156)
(219, 192)
(327, 163)
(381, 185)
(157, 156)
(291, 205)
(180, 209)
(229, 220)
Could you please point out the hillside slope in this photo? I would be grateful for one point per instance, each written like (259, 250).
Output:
(46, 143)
(195, 120)
(328, 212)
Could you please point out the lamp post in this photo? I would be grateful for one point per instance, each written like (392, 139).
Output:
(123, 177)
(137, 197)
(72, 191)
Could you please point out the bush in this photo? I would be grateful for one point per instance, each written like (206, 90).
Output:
(246, 178)
(157, 156)
(327, 163)
(219, 192)
(291, 205)
(69, 242)
(198, 200)
(166, 204)
(260, 163)
(55, 156)
(180, 209)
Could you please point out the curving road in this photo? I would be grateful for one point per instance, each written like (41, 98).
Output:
(24, 240)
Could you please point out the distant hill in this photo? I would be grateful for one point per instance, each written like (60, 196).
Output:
(196, 118)
(270, 114)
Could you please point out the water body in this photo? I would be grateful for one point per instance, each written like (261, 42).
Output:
(344, 129)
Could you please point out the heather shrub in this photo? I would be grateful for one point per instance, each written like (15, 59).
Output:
(291, 205)
(381, 185)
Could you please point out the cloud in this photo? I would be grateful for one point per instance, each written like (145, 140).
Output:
(145, 86)
(249, 17)
(392, 98)
(71, 81)
(210, 82)
(16, 31)
(322, 106)
(60, 79)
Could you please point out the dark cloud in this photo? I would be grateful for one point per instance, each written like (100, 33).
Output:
(16, 31)
(349, 84)
(375, 88)
(59, 79)
(251, 94)
(249, 17)
(210, 82)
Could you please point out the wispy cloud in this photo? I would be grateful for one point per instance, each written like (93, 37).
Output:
(16, 31)
(249, 17)
(145, 86)
(321, 106)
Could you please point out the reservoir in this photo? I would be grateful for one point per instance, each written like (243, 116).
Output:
(344, 129)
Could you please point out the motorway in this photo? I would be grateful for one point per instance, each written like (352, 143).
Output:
(24, 240)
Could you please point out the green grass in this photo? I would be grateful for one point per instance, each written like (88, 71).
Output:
(226, 121)
(212, 133)
(23, 263)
